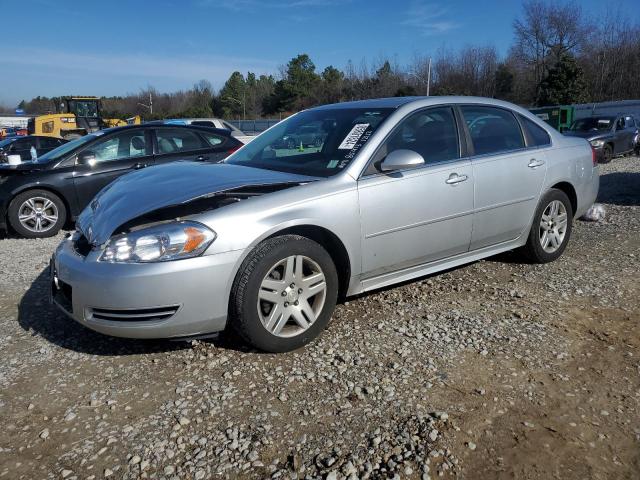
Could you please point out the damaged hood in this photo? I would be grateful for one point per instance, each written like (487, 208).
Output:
(161, 186)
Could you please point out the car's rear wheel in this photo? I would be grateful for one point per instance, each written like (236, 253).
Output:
(551, 228)
(607, 153)
(284, 294)
(37, 214)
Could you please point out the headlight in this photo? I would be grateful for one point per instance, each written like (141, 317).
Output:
(160, 243)
(597, 143)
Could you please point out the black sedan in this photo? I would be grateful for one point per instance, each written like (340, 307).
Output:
(22, 146)
(38, 197)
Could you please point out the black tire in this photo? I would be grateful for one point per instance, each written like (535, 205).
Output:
(607, 154)
(533, 249)
(52, 227)
(243, 309)
(291, 144)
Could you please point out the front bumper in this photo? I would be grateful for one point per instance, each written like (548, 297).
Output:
(153, 300)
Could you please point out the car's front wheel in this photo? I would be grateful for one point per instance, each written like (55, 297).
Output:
(607, 154)
(37, 214)
(551, 228)
(284, 294)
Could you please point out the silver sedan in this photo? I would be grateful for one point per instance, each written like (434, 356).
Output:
(266, 242)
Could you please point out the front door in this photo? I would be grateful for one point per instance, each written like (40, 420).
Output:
(419, 215)
(116, 154)
(508, 177)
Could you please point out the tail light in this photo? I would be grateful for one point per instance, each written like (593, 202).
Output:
(594, 156)
(234, 148)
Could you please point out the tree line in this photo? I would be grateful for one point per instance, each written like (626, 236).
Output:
(559, 55)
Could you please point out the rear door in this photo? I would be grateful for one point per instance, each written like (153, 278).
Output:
(116, 154)
(173, 144)
(508, 175)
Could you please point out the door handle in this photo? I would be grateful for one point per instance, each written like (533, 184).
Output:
(201, 158)
(138, 166)
(533, 163)
(454, 179)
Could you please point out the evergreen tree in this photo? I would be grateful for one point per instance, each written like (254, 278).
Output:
(563, 84)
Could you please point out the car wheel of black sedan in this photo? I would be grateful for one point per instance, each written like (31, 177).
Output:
(37, 214)
(284, 294)
(551, 228)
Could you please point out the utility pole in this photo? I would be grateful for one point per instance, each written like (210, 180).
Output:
(429, 77)
(150, 106)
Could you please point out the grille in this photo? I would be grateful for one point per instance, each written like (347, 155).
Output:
(133, 315)
(82, 245)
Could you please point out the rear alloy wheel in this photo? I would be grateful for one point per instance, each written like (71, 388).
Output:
(551, 228)
(607, 154)
(284, 294)
(37, 214)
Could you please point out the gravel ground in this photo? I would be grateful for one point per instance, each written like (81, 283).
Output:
(498, 369)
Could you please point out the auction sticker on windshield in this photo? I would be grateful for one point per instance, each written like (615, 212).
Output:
(353, 136)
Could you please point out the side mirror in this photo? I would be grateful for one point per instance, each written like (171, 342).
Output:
(400, 160)
(87, 158)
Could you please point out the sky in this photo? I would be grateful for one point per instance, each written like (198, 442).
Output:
(64, 47)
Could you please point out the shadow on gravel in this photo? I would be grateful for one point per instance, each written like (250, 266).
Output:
(37, 316)
(620, 188)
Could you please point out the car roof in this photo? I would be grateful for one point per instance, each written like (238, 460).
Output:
(397, 102)
(149, 125)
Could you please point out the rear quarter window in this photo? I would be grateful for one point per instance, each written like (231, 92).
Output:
(536, 135)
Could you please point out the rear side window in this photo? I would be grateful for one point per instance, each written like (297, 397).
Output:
(203, 123)
(538, 136)
(493, 130)
(176, 140)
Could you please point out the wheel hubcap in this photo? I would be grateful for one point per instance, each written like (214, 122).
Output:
(291, 296)
(38, 214)
(553, 226)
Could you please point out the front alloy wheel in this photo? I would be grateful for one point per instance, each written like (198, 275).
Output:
(284, 293)
(37, 214)
(291, 296)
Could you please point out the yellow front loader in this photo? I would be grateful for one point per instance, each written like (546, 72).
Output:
(75, 117)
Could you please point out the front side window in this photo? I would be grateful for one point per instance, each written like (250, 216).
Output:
(316, 142)
(493, 130)
(120, 146)
(177, 140)
(538, 136)
(432, 133)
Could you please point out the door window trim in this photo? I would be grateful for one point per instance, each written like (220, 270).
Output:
(156, 147)
(462, 147)
(471, 152)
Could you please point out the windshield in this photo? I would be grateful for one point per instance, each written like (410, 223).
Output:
(4, 143)
(592, 124)
(316, 142)
(62, 150)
